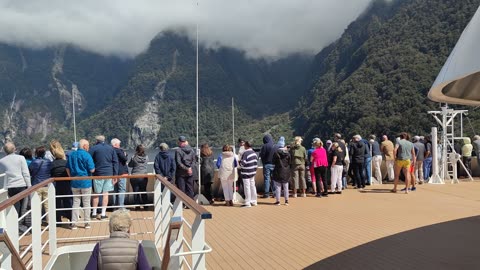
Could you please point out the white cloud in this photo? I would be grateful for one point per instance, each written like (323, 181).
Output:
(268, 28)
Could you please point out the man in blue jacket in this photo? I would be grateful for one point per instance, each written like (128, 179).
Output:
(164, 164)
(266, 155)
(39, 172)
(106, 164)
(80, 163)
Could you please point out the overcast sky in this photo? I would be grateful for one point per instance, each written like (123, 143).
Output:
(262, 28)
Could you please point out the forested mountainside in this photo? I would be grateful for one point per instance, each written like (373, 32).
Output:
(148, 99)
(158, 102)
(373, 79)
(376, 77)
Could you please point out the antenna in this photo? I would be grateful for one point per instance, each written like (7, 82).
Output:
(73, 115)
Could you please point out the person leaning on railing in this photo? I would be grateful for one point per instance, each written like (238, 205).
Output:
(118, 252)
(17, 175)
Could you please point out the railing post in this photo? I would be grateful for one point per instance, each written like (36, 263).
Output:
(157, 213)
(36, 231)
(165, 212)
(12, 232)
(52, 219)
(198, 242)
(176, 246)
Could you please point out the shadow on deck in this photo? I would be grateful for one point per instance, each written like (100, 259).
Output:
(447, 245)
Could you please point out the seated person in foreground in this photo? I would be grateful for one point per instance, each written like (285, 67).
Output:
(118, 251)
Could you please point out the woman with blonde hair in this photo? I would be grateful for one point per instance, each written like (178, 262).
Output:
(59, 169)
(298, 155)
(337, 168)
(320, 163)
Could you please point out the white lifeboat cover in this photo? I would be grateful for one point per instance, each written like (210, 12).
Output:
(459, 80)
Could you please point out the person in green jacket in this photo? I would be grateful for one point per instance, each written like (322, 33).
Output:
(298, 155)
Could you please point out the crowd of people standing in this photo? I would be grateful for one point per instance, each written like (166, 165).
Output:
(324, 169)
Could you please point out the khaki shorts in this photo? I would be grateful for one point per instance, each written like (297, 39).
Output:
(403, 163)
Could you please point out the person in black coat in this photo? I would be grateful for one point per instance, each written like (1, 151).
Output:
(282, 171)
(165, 166)
(207, 170)
(59, 169)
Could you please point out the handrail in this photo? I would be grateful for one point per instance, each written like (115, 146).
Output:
(22, 195)
(16, 261)
(101, 177)
(189, 202)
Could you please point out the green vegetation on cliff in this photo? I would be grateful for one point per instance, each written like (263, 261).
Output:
(376, 77)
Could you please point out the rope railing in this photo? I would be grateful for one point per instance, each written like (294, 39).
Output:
(163, 210)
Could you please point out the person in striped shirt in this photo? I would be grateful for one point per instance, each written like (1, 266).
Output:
(249, 166)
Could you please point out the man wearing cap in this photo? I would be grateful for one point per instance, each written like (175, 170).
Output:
(184, 159)
(121, 186)
(106, 164)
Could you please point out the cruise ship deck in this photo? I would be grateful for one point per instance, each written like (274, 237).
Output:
(434, 227)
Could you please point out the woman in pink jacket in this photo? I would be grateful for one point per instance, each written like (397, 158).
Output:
(320, 164)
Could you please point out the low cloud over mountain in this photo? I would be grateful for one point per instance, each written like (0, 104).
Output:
(262, 28)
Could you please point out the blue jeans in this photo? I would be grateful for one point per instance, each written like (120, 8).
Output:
(427, 168)
(368, 170)
(267, 172)
(120, 187)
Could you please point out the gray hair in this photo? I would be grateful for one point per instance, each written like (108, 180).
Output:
(100, 138)
(476, 137)
(82, 143)
(357, 137)
(115, 141)
(9, 148)
(163, 147)
(120, 221)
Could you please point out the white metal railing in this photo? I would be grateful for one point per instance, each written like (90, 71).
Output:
(34, 242)
(196, 245)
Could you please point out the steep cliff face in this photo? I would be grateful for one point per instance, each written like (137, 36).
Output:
(145, 100)
(147, 127)
(36, 88)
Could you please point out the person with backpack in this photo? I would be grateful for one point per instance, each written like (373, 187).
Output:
(207, 170)
(226, 164)
(282, 172)
(184, 159)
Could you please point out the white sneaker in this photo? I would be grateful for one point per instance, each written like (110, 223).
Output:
(294, 195)
(246, 205)
(304, 195)
(254, 203)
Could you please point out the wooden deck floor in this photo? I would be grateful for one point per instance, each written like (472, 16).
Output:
(434, 227)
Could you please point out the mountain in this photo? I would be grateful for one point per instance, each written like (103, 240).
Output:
(148, 99)
(374, 79)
